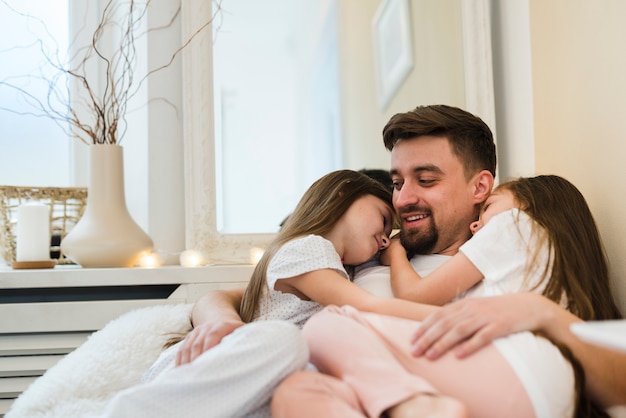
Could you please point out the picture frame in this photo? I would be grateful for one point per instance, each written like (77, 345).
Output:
(393, 48)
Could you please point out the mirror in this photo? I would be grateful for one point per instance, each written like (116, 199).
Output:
(276, 105)
(446, 69)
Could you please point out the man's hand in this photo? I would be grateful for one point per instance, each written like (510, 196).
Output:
(470, 324)
(203, 338)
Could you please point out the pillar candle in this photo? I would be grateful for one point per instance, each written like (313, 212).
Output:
(33, 232)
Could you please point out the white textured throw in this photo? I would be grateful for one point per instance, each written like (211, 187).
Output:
(112, 359)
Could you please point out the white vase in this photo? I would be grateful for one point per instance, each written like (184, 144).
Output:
(106, 235)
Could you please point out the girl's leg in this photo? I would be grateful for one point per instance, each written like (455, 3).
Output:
(309, 394)
(431, 406)
(236, 378)
(364, 363)
(351, 345)
(522, 364)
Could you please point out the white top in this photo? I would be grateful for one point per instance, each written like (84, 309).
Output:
(302, 255)
(502, 251)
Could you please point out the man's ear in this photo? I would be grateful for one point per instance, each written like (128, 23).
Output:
(483, 183)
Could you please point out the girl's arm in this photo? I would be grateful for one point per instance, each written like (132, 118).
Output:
(328, 287)
(441, 286)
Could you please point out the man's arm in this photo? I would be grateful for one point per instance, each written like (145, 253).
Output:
(467, 325)
(213, 316)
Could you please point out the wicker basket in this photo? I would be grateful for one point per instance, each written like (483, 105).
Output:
(66, 207)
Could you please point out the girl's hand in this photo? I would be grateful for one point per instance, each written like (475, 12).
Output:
(395, 249)
(203, 338)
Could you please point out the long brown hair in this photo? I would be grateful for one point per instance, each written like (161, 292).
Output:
(319, 209)
(579, 262)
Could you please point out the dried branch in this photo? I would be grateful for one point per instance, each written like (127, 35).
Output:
(104, 121)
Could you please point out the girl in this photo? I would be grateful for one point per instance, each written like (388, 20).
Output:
(534, 234)
(343, 220)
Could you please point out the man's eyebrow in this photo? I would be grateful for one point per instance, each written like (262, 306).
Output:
(431, 168)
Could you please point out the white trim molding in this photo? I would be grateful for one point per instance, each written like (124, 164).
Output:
(199, 154)
(478, 63)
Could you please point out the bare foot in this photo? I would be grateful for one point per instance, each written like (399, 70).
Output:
(426, 405)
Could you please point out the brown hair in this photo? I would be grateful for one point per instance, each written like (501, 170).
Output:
(470, 138)
(579, 262)
(319, 209)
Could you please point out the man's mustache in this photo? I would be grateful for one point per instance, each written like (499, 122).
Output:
(413, 209)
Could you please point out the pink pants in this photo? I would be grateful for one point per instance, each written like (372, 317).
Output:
(367, 368)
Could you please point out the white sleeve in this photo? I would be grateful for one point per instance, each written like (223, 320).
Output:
(501, 250)
(303, 255)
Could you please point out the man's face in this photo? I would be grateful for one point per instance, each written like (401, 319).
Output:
(431, 195)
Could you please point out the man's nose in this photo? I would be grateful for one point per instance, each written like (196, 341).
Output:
(406, 196)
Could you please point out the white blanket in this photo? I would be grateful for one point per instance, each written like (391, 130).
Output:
(112, 359)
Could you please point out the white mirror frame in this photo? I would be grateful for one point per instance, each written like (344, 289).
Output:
(199, 154)
(477, 60)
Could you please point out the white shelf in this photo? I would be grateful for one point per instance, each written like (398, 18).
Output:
(75, 276)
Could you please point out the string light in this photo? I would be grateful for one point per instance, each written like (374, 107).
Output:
(193, 258)
(150, 260)
(190, 258)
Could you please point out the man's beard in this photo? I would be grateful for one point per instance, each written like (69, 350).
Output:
(419, 242)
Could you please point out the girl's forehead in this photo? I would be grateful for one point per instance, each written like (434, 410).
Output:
(384, 206)
(500, 192)
(502, 196)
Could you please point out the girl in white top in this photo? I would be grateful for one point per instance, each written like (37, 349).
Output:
(534, 234)
(508, 253)
(344, 219)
